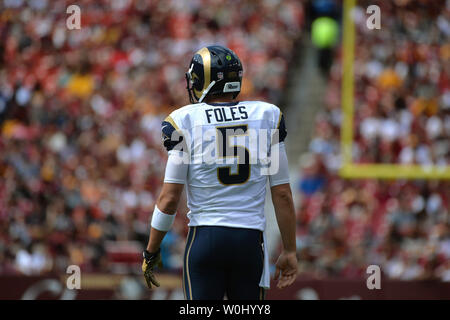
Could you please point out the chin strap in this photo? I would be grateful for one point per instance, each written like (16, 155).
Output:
(205, 92)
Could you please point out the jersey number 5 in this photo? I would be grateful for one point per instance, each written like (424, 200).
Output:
(224, 150)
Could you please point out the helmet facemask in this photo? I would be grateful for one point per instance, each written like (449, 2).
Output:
(190, 85)
(190, 82)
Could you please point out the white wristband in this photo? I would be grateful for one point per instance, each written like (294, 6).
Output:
(162, 221)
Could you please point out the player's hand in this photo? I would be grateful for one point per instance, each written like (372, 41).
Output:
(286, 269)
(150, 261)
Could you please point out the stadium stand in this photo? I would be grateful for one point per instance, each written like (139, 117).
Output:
(81, 158)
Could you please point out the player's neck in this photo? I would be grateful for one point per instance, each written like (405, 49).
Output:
(221, 99)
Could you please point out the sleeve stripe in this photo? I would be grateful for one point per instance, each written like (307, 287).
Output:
(171, 137)
(170, 120)
(279, 120)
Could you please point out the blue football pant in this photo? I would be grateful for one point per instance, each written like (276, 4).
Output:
(221, 261)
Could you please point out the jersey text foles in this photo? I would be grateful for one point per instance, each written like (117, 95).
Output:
(223, 114)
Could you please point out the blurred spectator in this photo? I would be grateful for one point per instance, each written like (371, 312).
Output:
(325, 35)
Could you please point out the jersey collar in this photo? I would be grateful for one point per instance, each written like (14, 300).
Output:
(223, 104)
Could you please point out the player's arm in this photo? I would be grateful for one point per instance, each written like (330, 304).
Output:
(167, 202)
(286, 266)
(162, 220)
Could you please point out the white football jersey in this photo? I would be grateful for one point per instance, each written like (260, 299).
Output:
(227, 145)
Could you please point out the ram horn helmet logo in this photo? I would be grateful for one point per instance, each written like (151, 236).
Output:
(232, 87)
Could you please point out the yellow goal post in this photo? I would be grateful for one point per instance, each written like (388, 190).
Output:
(352, 170)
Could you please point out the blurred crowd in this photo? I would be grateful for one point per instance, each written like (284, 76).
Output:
(81, 159)
(402, 83)
(402, 116)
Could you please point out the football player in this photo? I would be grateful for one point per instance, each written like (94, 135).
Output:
(209, 152)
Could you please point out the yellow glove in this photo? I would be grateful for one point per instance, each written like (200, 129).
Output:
(150, 261)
